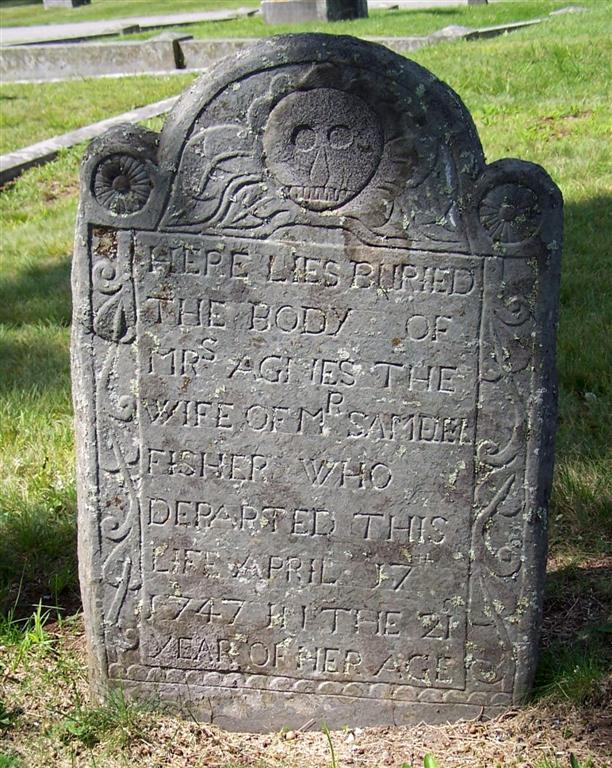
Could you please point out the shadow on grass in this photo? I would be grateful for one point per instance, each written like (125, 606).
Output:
(18, 3)
(43, 367)
(580, 517)
(38, 562)
(408, 13)
(38, 295)
(576, 653)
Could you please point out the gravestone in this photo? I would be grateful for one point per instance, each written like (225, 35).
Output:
(313, 363)
(65, 3)
(300, 11)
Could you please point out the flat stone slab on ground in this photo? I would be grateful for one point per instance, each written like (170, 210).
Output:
(420, 5)
(46, 33)
(37, 63)
(13, 164)
(569, 9)
(314, 384)
(42, 62)
(497, 29)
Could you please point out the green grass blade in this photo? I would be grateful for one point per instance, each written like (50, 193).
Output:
(327, 733)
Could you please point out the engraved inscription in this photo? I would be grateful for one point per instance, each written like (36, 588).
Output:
(282, 449)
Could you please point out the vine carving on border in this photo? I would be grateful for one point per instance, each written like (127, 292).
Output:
(114, 326)
(500, 499)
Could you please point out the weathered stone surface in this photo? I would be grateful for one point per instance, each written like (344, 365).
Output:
(299, 11)
(313, 360)
(65, 3)
(49, 62)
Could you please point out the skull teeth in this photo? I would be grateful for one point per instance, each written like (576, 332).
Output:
(319, 194)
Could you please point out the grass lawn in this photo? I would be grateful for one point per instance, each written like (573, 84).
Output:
(15, 13)
(403, 23)
(542, 95)
(400, 22)
(62, 107)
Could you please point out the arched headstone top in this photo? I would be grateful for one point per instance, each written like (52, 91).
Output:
(325, 132)
(313, 364)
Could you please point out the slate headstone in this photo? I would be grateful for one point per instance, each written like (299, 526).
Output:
(300, 11)
(314, 381)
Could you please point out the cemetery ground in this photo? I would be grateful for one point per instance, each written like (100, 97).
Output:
(540, 94)
(398, 22)
(27, 12)
(69, 105)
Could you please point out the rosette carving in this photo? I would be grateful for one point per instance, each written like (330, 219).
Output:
(122, 184)
(510, 213)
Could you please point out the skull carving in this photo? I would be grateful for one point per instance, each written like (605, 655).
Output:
(323, 146)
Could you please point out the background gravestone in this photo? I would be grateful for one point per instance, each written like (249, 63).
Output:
(65, 3)
(313, 361)
(299, 11)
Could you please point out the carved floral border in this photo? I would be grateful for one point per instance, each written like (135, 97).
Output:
(114, 325)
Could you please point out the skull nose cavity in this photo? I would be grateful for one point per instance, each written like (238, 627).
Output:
(319, 173)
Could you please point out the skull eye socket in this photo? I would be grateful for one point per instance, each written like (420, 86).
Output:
(304, 138)
(340, 137)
